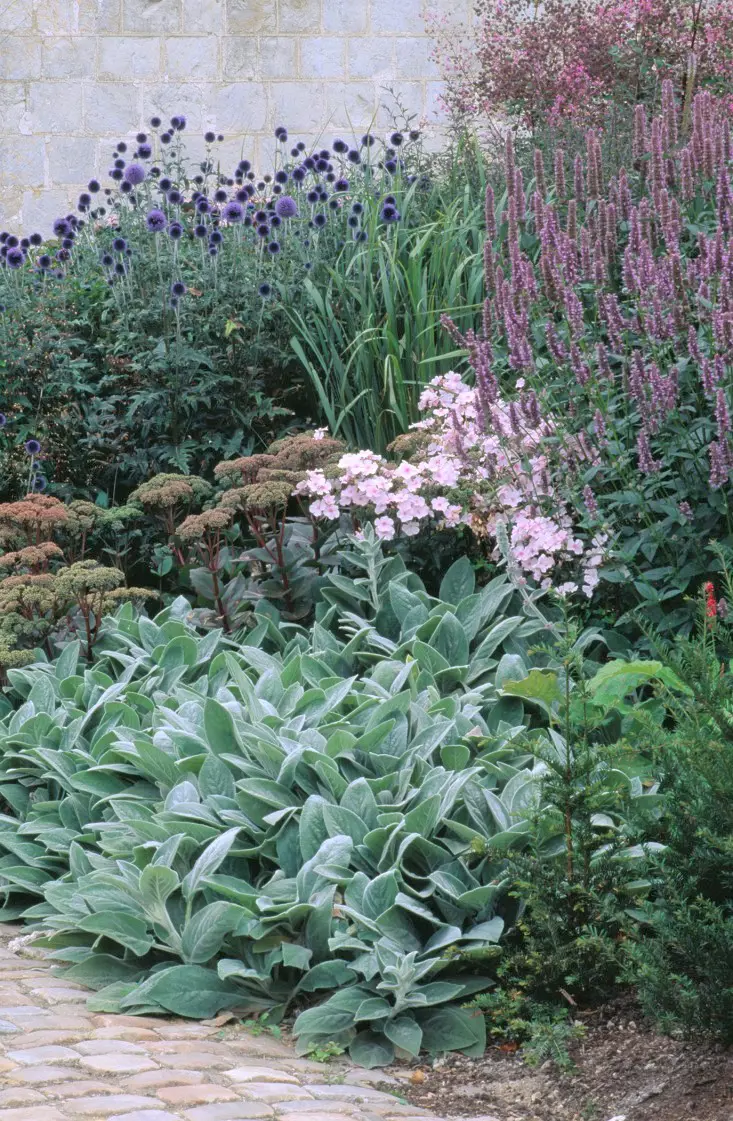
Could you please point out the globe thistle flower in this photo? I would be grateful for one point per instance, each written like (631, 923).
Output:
(32, 446)
(3, 420)
(309, 162)
(414, 134)
(341, 185)
(126, 187)
(107, 260)
(322, 196)
(273, 248)
(15, 258)
(121, 147)
(44, 261)
(353, 221)
(178, 122)
(340, 146)
(174, 196)
(308, 266)
(213, 250)
(275, 221)
(67, 243)
(331, 177)
(36, 239)
(220, 195)
(281, 133)
(200, 231)
(320, 220)
(263, 231)
(119, 245)
(12, 241)
(39, 483)
(216, 237)
(85, 200)
(390, 166)
(390, 199)
(156, 221)
(165, 183)
(178, 288)
(209, 137)
(120, 269)
(155, 122)
(145, 151)
(233, 212)
(353, 156)
(396, 139)
(165, 138)
(360, 235)
(120, 163)
(265, 290)
(390, 213)
(115, 174)
(367, 140)
(321, 165)
(299, 174)
(357, 208)
(286, 207)
(60, 227)
(175, 231)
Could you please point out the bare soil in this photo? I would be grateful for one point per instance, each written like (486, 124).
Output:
(625, 1071)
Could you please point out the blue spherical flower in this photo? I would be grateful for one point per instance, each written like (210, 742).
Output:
(341, 185)
(178, 122)
(85, 200)
(367, 140)
(273, 248)
(36, 239)
(15, 258)
(61, 227)
(265, 290)
(340, 146)
(39, 482)
(313, 197)
(357, 208)
(281, 133)
(175, 230)
(120, 268)
(353, 221)
(165, 138)
(115, 174)
(299, 174)
(220, 196)
(165, 183)
(286, 207)
(174, 196)
(216, 237)
(263, 231)
(119, 245)
(281, 176)
(396, 138)
(145, 151)
(320, 220)
(391, 166)
(3, 420)
(155, 122)
(32, 446)
(309, 162)
(360, 235)
(25, 242)
(107, 260)
(119, 163)
(321, 165)
(68, 243)
(93, 186)
(178, 288)
(390, 213)
(354, 156)
(156, 220)
(126, 187)
(200, 231)
(141, 137)
(209, 137)
(233, 212)
(12, 242)
(414, 134)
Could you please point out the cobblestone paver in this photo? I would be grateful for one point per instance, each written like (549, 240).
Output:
(60, 1062)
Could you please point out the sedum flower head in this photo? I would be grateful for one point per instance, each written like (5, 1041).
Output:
(166, 490)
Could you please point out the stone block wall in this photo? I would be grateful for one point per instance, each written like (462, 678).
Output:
(77, 74)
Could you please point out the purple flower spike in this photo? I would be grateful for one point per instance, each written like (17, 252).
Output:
(134, 174)
(286, 207)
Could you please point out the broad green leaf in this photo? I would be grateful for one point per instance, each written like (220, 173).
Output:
(121, 927)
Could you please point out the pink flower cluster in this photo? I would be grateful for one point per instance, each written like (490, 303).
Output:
(479, 465)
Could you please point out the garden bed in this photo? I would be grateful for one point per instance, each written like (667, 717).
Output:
(624, 1069)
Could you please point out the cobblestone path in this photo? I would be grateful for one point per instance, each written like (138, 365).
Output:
(59, 1062)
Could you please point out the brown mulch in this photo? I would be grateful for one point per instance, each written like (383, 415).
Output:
(625, 1071)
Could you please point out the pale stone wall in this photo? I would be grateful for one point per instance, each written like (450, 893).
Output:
(77, 74)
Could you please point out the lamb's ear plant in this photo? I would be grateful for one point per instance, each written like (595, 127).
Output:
(198, 822)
